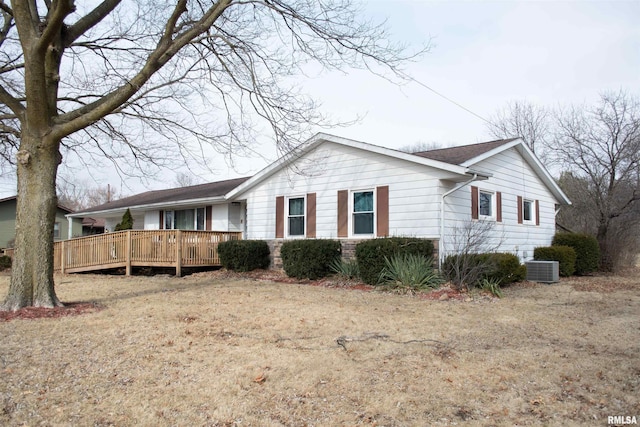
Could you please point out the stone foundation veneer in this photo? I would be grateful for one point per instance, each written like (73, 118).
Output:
(348, 251)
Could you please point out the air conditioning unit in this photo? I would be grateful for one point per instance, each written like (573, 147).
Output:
(543, 271)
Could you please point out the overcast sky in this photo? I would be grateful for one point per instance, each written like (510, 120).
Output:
(484, 54)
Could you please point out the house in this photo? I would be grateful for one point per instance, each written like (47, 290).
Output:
(497, 194)
(62, 227)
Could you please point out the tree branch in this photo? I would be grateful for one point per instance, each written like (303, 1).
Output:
(89, 20)
(91, 113)
(11, 102)
(55, 20)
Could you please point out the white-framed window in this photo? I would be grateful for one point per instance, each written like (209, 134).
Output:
(362, 212)
(56, 230)
(185, 219)
(296, 216)
(486, 204)
(528, 211)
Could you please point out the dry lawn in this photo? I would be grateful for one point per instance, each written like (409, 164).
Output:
(221, 351)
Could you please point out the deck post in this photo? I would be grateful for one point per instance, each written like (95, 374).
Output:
(128, 254)
(63, 252)
(178, 253)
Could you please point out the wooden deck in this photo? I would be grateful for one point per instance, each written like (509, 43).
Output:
(140, 248)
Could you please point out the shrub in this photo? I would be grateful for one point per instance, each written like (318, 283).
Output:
(504, 268)
(406, 271)
(126, 223)
(244, 255)
(5, 262)
(371, 254)
(491, 286)
(470, 270)
(565, 255)
(345, 269)
(309, 258)
(586, 247)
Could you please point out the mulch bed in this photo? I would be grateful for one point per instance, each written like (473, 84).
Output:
(69, 309)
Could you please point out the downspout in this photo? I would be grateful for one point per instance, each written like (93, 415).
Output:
(441, 243)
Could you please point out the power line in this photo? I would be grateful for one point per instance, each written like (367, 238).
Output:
(457, 104)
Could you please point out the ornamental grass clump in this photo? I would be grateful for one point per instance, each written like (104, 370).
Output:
(409, 272)
(346, 269)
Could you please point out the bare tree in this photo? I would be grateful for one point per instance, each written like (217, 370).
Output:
(123, 80)
(419, 147)
(524, 120)
(600, 146)
(77, 197)
(466, 239)
(185, 180)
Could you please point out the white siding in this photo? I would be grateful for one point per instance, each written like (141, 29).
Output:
(413, 191)
(513, 177)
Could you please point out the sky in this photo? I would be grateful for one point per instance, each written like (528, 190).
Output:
(483, 55)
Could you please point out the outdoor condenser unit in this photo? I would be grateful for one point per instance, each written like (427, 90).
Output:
(543, 271)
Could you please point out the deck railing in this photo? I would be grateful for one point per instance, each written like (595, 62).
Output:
(144, 248)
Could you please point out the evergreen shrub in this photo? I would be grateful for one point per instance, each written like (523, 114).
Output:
(244, 255)
(371, 254)
(471, 270)
(5, 262)
(565, 255)
(309, 258)
(586, 247)
(126, 223)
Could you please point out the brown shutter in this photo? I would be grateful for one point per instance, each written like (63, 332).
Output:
(311, 215)
(343, 213)
(208, 211)
(474, 203)
(161, 220)
(519, 209)
(498, 206)
(279, 217)
(537, 212)
(382, 211)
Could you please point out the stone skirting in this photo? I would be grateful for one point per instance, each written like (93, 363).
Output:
(348, 250)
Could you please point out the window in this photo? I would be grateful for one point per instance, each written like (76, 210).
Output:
(186, 219)
(527, 210)
(56, 230)
(296, 216)
(363, 212)
(486, 204)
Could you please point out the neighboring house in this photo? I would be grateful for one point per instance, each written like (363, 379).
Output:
(91, 226)
(338, 188)
(62, 227)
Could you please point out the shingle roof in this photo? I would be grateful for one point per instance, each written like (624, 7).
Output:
(201, 191)
(459, 155)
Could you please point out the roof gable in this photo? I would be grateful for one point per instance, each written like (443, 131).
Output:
(456, 172)
(462, 154)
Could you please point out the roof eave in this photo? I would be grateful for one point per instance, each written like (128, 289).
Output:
(149, 206)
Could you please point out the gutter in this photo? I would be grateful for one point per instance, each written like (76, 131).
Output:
(441, 242)
(186, 203)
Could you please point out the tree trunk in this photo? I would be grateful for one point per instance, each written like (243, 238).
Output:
(606, 258)
(32, 269)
